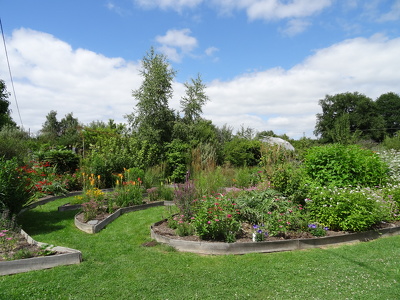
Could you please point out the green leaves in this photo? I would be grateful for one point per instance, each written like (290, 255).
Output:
(339, 165)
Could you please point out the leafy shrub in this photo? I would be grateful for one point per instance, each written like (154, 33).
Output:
(242, 152)
(392, 142)
(13, 143)
(354, 209)
(61, 160)
(278, 215)
(392, 159)
(177, 156)
(15, 187)
(339, 165)
(216, 218)
(287, 178)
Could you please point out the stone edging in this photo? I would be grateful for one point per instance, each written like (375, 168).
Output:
(202, 247)
(94, 228)
(64, 256)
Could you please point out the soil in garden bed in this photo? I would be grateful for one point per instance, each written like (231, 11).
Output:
(247, 231)
(22, 249)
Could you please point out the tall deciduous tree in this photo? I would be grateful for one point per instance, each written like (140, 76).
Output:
(5, 117)
(362, 113)
(153, 119)
(192, 103)
(388, 106)
(51, 129)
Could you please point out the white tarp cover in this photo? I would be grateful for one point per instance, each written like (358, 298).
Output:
(278, 141)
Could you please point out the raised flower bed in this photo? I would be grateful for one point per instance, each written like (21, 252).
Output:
(62, 256)
(95, 225)
(239, 247)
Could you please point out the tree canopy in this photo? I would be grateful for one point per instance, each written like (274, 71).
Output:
(153, 119)
(348, 114)
(5, 113)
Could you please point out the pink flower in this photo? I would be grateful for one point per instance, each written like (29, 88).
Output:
(209, 222)
(229, 216)
(9, 238)
(269, 212)
(216, 220)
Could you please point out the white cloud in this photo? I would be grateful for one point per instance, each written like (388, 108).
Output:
(177, 5)
(117, 9)
(287, 100)
(296, 26)
(177, 43)
(211, 50)
(276, 9)
(255, 9)
(393, 14)
(50, 75)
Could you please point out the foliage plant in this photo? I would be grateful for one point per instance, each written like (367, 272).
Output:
(7, 241)
(242, 152)
(185, 193)
(177, 156)
(210, 181)
(61, 160)
(339, 165)
(46, 180)
(266, 206)
(16, 188)
(349, 208)
(216, 218)
(259, 233)
(392, 159)
(317, 230)
(129, 191)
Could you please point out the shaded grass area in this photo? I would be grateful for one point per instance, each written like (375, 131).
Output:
(117, 266)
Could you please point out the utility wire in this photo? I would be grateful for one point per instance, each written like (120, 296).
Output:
(9, 70)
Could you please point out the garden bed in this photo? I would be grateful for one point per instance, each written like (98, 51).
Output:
(296, 241)
(101, 221)
(60, 256)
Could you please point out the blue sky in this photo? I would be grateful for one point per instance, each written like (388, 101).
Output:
(266, 62)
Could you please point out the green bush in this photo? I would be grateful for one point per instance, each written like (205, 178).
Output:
(242, 152)
(354, 209)
(15, 187)
(392, 142)
(267, 207)
(339, 165)
(61, 160)
(216, 218)
(177, 156)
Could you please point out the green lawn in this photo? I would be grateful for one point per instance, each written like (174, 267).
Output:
(116, 266)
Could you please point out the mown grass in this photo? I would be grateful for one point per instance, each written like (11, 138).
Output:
(116, 266)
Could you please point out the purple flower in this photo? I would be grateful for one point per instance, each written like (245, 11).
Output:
(259, 231)
(326, 228)
(255, 226)
(312, 226)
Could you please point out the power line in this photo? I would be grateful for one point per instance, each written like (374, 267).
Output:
(9, 70)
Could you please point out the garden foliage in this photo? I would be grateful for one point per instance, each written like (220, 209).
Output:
(16, 189)
(339, 165)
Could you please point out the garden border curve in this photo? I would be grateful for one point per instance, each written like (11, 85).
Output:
(64, 256)
(95, 228)
(220, 248)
